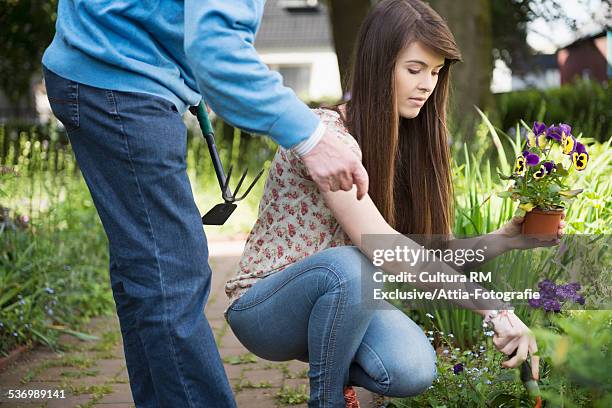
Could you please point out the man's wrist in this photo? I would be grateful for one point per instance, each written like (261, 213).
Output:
(305, 146)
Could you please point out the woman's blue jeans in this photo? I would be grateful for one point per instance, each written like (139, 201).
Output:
(131, 150)
(313, 311)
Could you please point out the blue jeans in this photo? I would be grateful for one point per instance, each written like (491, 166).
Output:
(313, 311)
(131, 150)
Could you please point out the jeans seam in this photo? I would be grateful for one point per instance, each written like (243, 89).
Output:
(237, 308)
(77, 118)
(111, 99)
(331, 344)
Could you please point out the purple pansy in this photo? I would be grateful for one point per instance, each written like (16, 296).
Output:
(556, 132)
(457, 368)
(531, 159)
(549, 166)
(539, 128)
(580, 157)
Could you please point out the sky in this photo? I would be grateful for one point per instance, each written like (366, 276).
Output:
(546, 37)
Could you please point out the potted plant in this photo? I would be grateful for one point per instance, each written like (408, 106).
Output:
(540, 177)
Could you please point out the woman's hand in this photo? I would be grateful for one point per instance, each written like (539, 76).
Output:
(511, 334)
(514, 239)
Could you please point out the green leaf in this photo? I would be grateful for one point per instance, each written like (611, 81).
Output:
(504, 177)
(519, 212)
(571, 193)
(504, 194)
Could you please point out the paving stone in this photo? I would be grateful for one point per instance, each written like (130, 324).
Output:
(233, 371)
(274, 377)
(108, 368)
(69, 401)
(121, 395)
(257, 398)
(296, 383)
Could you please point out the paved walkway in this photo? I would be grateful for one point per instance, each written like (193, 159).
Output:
(93, 374)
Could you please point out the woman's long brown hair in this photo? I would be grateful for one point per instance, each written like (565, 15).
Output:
(408, 160)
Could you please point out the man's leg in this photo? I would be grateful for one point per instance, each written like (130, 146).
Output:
(131, 149)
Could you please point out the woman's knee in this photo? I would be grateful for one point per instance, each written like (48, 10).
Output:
(412, 373)
(347, 266)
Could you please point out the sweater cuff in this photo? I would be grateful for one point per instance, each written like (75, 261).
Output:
(305, 146)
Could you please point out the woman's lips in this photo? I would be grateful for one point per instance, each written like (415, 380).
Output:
(418, 101)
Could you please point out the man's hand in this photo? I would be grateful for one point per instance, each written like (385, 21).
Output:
(333, 166)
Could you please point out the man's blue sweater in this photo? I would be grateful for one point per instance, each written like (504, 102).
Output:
(182, 51)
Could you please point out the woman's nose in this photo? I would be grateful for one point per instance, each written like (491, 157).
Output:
(427, 83)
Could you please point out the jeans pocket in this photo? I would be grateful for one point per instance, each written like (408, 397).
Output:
(63, 95)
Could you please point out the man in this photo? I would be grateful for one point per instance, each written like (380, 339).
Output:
(119, 75)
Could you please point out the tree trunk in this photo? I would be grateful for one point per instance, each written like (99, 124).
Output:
(346, 17)
(471, 25)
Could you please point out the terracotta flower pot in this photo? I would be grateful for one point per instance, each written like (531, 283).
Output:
(543, 223)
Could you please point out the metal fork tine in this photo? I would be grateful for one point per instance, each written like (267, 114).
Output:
(251, 186)
(227, 195)
(240, 183)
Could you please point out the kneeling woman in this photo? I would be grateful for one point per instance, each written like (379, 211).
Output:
(297, 292)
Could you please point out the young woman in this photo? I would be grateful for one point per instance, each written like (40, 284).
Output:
(297, 294)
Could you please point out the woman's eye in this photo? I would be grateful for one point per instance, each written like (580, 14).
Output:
(413, 72)
(435, 73)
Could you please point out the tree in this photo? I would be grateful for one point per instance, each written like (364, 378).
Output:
(346, 17)
(26, 29)
(471, 81)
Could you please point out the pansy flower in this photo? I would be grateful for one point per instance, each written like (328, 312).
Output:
(556, 132)
(545, 168)
(568, 143)
(580, 157)
(519, 165)
(531, 159)
(537, 136)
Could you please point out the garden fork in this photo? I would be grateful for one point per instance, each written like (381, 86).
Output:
(220, 212)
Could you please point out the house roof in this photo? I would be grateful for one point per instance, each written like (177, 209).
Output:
(588, 38)
(285, 27)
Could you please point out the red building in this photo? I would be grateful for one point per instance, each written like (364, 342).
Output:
(586, 58)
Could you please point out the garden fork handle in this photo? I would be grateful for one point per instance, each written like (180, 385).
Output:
(209, 135)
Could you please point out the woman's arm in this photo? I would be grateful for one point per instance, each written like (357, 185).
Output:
(360, 218)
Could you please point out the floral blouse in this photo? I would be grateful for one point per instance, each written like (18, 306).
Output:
(293, 220)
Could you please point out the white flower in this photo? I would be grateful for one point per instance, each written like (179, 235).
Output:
(451, 335)
(429, 315)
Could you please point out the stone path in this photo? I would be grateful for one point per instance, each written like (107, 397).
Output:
(93, 374)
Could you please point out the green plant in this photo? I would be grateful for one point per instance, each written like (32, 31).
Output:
(292, 395)
(586, 102)
(539, 180)
(577, 345)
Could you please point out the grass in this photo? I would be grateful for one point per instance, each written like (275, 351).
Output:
(292, 395)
